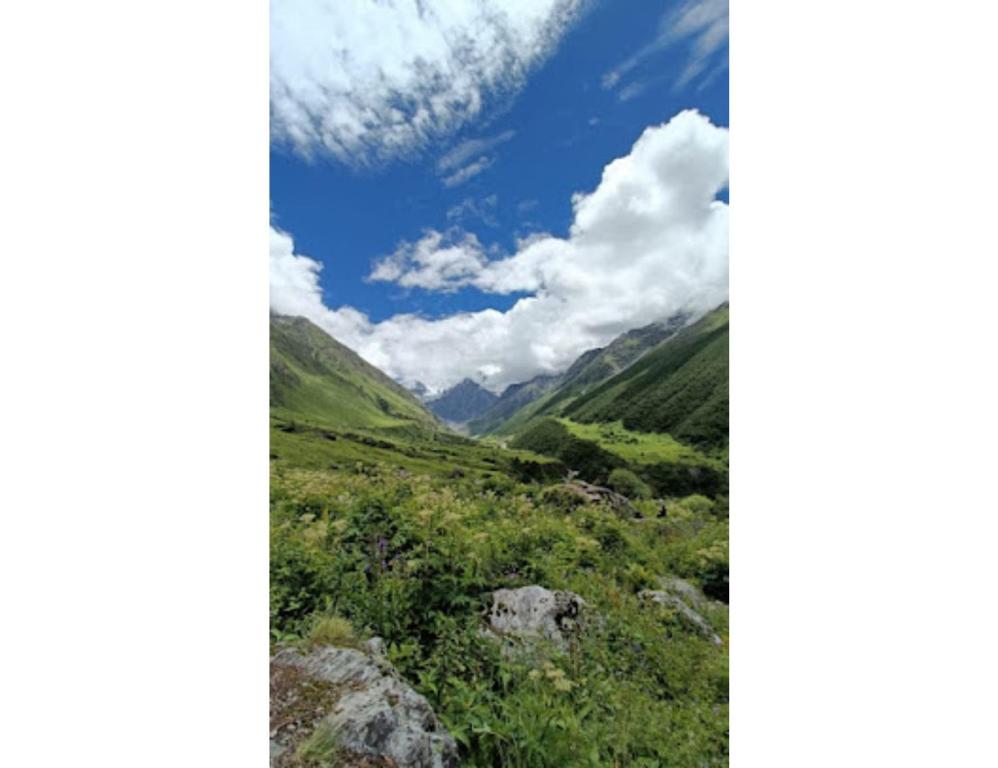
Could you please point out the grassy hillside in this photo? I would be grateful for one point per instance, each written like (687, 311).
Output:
(332, 410)
(680, 387)
(594, 451)
(589, 370)
(315, 379)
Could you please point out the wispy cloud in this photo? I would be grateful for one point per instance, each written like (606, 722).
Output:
(471, 209)
(454, 167)
(366, 82)
(700, 25)
(469, 171)
(464, 151)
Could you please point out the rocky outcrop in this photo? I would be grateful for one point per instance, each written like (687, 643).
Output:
(577, 492)
(535, 613)
(353, 707)
(686, 601)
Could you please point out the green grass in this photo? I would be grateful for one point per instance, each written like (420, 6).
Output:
(315, 378)
(332, 630)
(680, 387)
(636, 447)
(595, 451)
(309, 446)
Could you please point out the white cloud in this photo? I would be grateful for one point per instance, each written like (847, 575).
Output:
(368, 81)
(649, 241)
(437, 262)
(464, 151)
(703, 24)
(295, 290)
(469, 171)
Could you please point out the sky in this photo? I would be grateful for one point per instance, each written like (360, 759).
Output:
(463, 188)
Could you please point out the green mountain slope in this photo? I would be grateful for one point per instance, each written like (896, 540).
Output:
(316, 379)
(591, 368)
(513, 398)
(680, 387)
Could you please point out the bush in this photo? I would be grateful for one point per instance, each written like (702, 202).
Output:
(333, 630)
(624, 481)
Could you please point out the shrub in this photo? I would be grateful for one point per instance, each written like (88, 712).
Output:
(624, 481)
(333, 630)
(415, 559)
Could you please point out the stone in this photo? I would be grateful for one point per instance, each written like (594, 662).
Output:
(374, 715)
(581, 492)
(686, 600)
(376, 647)
(535, 612)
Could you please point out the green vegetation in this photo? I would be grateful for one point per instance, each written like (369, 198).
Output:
(638, 447)
(315, 378)
(625, 482)
(595, 451)
(680, 387)
(332, 630)
(384, 523)
(550, 395)
(415, 560)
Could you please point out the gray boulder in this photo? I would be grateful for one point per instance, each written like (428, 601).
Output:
(370, 714)
(686, 600)
(535, 612)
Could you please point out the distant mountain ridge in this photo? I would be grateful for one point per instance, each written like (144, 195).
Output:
(462, 402)
(513, 398)
(550, 394)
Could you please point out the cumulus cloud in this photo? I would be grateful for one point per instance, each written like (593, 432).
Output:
(367, 81)
(437, 262)
(701, 24)
(649, 241)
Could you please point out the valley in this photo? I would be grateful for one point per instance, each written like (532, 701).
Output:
(402, 542)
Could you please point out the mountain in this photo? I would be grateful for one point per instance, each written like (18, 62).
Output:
(552, 395)
(462, 402)
(680, 387)
(315, 378)
(513, 398)
(420, 390)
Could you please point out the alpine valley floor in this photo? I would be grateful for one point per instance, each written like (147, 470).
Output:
(552, 592)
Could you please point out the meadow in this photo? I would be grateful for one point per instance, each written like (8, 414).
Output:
(406, 538)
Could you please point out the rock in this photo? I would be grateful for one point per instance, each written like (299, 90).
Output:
(374, 717)
(686, 600)
(376, 647)
(587, 493)
(535, 612)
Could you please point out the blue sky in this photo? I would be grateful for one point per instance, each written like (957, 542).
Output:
(549, 135)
